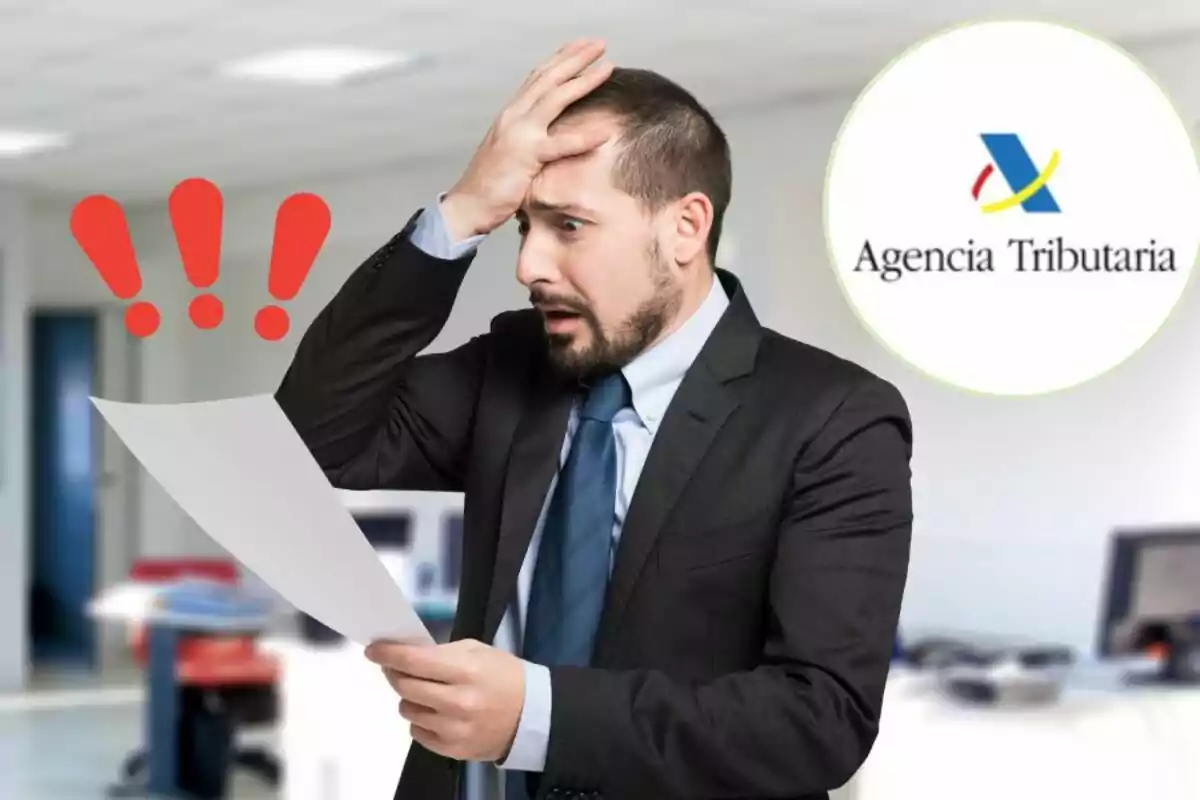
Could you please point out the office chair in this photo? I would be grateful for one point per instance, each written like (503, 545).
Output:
(224, 681)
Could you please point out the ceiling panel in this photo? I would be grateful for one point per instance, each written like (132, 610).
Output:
(135, 82)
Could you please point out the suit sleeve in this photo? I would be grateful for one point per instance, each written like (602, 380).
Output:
(374, 411)
(804, 721)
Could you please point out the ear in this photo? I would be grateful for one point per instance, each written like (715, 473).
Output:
(692, 220)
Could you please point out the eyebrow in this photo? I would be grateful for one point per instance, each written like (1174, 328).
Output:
(544, 207)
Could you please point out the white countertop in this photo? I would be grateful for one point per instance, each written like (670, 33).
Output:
(1096, 743)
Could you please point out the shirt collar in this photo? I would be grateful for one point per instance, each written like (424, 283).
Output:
(655, 374)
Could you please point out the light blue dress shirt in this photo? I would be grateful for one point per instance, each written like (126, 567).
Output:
(653, 378)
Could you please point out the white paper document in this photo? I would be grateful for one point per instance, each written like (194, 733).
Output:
(241, 471)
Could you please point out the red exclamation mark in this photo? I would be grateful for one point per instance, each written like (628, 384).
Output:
(196, 206)
(301, 225)
(99, 226)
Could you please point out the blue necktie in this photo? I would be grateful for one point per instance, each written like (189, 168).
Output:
(570, 577)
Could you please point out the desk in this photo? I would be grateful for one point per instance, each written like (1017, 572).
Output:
(342, 735)
(1100, 742)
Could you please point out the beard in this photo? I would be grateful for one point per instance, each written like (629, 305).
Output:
(608, 351)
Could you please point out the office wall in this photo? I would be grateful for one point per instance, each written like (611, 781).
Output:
(63, 276)
(14, 298)
(41, 266)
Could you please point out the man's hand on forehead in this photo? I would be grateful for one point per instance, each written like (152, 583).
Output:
(524, 139)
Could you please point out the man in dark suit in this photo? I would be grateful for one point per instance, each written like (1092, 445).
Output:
(695, 529)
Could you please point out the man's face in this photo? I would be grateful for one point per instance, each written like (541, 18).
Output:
(591, 257)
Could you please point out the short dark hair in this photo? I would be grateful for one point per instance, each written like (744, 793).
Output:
(672, 144)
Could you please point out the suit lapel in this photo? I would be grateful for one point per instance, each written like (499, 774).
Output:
(537, 445)
(696, 414)
(699, 409)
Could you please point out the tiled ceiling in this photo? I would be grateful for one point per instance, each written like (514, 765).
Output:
(134, 83)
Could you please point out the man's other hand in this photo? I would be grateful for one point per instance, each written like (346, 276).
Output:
(463, 699)
(519, 143)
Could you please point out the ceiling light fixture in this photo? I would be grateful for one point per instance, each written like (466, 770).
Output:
(18, 143)
(315, 66)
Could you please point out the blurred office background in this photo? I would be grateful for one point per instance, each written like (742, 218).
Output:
(1015, 499)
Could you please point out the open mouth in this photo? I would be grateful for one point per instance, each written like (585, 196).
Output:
(559, 314)
(561, 321)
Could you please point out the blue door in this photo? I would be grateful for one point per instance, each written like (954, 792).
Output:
(64, 519)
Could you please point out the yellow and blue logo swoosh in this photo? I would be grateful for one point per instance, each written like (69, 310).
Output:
(1030, 188)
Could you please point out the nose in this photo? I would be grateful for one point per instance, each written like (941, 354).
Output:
(536, 262)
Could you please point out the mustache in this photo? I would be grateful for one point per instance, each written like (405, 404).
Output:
(537, 298)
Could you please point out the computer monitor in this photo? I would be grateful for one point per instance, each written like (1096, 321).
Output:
(1152, 601)
(386, 529)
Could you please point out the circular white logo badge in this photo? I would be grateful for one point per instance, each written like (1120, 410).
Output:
(1013, 207)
